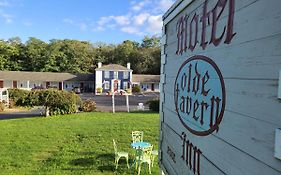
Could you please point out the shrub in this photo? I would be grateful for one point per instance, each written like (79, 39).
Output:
(2, 106)
(18, 95)
(129, 91)
(89, 106)
(154, 105)
(58, 102)
(99, 90)
(136, 89)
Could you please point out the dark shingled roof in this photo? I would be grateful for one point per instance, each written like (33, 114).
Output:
(146, 78)
(113, 67)
(44, 76)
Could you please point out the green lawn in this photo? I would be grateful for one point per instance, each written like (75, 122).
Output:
(72, 144)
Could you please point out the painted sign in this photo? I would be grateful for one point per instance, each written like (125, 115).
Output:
(219, 74)
(200, 95)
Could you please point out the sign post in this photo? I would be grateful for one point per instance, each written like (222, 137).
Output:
(127, 100)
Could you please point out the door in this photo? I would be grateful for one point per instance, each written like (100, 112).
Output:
(1, 84)
(60, 85)
(47, 84)
(152, 87)
(15, 84)
(82, 87)
(115, 85)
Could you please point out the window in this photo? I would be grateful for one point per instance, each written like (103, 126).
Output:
(115, 75)
(106, 85)
(126, 75)
(125, 85)
(106, 74)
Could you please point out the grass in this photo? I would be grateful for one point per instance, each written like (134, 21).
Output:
(72, 144)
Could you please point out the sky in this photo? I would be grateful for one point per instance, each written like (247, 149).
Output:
(108, 21)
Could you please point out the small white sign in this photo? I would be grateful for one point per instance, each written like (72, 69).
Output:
(277, 151)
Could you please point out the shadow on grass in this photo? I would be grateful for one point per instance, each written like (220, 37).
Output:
(107, 164)
(144, 112)
(84, 162)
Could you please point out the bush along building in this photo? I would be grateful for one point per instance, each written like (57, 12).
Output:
(107, 78)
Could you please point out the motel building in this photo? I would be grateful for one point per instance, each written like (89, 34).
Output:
(110, 78)
(41, 80)
(147, 83)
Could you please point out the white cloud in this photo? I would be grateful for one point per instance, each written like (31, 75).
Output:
(140, 5)
(122, 20)
(104, 20)
(131, 30)
(140, 19)
(143, 18)
(154, 24)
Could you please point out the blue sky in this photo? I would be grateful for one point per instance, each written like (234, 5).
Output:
(110, 21)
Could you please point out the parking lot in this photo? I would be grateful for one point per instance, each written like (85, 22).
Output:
(104, 102)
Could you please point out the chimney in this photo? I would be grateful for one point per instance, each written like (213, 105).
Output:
(99, 64)
(129, 65)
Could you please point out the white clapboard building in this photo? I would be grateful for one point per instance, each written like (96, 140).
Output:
(219, 106)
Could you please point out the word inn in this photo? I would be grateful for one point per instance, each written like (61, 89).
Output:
(190, 154)
(188, 25)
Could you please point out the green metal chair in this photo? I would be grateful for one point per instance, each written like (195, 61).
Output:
(119, 155)
(144, 156)
(137, 136)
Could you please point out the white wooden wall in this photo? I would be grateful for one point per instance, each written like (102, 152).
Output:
(250, 64)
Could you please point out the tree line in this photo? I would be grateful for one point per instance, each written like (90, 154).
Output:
(76, 56)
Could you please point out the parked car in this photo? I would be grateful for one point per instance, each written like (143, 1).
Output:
(77, 90)
(38, 88)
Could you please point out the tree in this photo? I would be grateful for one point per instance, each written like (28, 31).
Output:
(9, 56)
(149, 42)
(35, 55)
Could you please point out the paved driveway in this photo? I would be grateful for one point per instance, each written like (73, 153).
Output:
(20, 114)
(104, 102)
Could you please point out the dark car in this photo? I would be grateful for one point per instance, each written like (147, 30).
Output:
(38, 88)
(77, 90)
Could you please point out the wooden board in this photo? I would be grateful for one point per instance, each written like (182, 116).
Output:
(244, 67)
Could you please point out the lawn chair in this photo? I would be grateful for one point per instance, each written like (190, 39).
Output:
(140, 107)
(144, 156)
(137, 136)
(153, 155)
(119, 155)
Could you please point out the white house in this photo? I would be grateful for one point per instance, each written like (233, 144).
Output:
(113, 77)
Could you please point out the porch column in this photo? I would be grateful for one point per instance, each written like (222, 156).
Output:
(27, 84)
